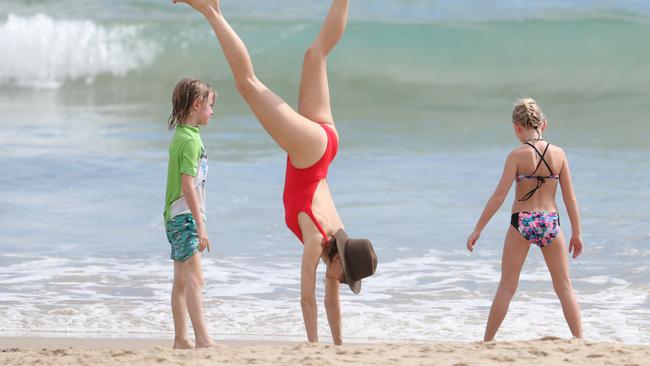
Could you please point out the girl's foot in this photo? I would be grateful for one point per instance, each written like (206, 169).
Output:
(183, 344)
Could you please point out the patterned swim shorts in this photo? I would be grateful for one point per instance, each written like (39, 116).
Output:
(183, 237)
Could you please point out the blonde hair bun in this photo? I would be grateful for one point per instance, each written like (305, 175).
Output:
(527, 113)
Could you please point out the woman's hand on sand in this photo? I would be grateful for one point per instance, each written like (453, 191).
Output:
(473, 237)
(575, 246)
(204, 242)
(200, 5)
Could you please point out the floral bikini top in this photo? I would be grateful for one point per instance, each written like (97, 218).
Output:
(540, 179)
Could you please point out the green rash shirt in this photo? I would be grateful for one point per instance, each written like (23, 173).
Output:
(186, 156)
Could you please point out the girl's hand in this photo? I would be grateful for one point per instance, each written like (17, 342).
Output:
(575, 246)
(204, 242)
(472, 240)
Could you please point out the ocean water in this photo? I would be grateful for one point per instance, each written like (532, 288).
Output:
(421, 92)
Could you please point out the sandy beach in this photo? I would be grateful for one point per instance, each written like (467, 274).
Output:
(545, 351)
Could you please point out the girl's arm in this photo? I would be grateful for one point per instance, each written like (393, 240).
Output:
(571, 203)
(493, 204)
(193, 203)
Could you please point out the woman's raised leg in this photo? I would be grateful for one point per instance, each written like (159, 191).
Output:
(293, 132)
(314, 97)
(514, 254)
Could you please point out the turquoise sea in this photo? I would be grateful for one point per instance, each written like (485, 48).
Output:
(422, 93)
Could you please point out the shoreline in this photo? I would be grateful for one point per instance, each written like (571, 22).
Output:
(118, 343)
(105, 351)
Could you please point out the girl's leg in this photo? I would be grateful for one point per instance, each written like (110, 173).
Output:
(314, 97)
(193, 278)
(556, 258)
(302, 139)
(179, 309)
(515, 251)
(312, 240)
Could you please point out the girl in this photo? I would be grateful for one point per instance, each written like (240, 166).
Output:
(185, 207)
(536, 166)
(310, 139)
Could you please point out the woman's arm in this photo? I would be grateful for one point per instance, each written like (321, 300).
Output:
(333, 274)
(495, 201)
(571, 203)
(192, 200)
(310, 257)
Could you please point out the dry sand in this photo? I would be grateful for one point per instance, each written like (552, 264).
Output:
(123, 352)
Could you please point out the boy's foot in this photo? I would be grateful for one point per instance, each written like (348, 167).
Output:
(210, 343)
(183, 344)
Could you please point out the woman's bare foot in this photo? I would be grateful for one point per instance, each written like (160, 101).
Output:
(183, 344)
(201, 5)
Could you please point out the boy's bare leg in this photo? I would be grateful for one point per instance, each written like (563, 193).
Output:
(193, 285)
(179, 310)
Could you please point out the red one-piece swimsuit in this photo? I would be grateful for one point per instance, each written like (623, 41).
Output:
(300, 185)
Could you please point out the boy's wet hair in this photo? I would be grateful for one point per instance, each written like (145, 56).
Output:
(527, 113)
(185, 93)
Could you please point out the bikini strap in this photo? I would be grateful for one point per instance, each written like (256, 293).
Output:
(530, 193)
(540, 180)
(541, 155)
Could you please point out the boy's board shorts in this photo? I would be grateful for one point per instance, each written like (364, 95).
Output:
(183, 237)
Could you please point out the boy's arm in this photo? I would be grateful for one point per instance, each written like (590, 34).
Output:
(192, 200)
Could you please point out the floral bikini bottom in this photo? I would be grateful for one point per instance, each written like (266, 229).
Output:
(538, 227)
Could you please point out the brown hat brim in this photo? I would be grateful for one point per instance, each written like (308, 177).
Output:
(342, 239)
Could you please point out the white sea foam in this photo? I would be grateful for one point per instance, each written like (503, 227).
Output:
(437, 296)
(41, 52)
